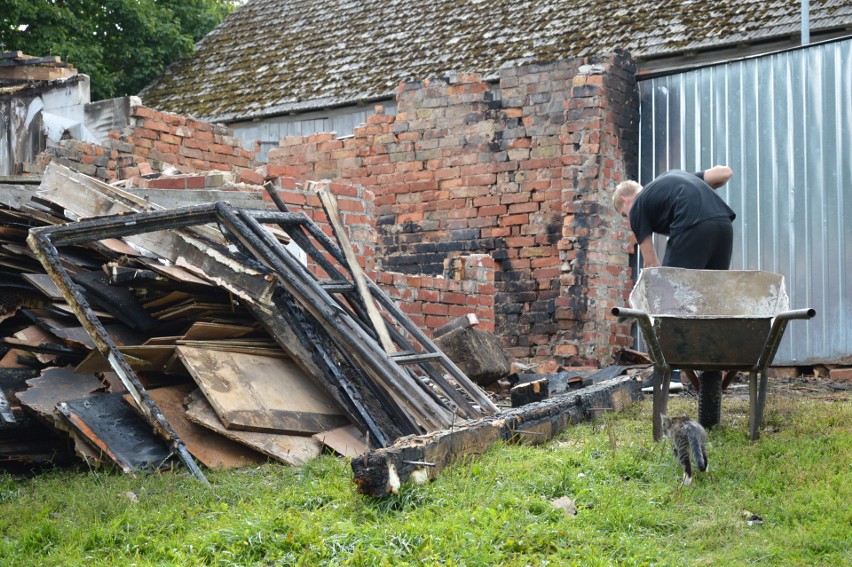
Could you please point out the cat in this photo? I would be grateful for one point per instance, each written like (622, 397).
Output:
(687, 437)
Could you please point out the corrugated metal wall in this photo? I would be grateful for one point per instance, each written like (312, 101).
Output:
(783, 122)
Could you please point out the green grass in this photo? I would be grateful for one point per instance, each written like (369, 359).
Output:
(489, 510)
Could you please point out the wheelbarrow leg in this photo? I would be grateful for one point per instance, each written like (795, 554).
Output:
(662, 378)
(756, 402)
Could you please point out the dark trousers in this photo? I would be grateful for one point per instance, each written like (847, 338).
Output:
(704, 246)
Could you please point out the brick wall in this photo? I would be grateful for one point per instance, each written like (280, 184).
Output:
(152, 141)
(477, 197)
(520, 170)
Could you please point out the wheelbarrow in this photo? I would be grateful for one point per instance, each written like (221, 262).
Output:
(711, 321)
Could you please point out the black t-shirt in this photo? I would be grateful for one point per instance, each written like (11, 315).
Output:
(673, 202)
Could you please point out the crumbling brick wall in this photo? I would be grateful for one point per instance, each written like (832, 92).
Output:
(521, 170)
(512, 177)
(152, 141)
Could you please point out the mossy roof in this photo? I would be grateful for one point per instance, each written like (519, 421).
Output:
(278, 56)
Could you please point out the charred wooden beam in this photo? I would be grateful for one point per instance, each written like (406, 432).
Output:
(479, 397)
(529, 392)
(422, 411)
(381, 472)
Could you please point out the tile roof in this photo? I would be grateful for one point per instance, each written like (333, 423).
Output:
(278, 56)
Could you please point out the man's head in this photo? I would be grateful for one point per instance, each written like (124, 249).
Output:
(625, 194)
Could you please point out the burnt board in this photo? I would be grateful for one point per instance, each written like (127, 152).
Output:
(110, 425)
(261, 393)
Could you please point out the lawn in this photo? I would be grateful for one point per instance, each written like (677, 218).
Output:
(494, 509)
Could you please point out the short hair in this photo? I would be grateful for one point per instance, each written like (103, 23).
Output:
(624, 189)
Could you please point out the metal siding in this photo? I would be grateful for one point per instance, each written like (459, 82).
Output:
(269, 131)
(783, 122)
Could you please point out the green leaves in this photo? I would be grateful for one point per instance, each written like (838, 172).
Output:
(122, 45)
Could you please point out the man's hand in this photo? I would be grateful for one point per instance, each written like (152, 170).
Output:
(717, 175)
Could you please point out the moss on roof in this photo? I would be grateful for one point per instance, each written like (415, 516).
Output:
(272, 56)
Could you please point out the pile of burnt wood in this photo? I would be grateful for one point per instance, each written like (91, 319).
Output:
(139, 335)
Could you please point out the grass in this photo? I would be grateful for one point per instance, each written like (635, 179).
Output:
(490, 510)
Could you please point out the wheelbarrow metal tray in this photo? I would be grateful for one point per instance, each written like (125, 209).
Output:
(710, 319)
(712, 344)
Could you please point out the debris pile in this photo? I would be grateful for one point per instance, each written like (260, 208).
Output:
(148, 335)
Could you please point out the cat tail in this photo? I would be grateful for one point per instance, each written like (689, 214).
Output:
(698, 454)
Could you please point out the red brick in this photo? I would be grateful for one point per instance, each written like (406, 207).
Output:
(168, 183)
(840, 374)
(250, 176)
(156, 125)
(196, 182)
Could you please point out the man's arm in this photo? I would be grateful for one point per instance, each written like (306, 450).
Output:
(649, 253)
(717, 175)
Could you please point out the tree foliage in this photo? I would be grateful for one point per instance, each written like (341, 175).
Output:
(122, 45)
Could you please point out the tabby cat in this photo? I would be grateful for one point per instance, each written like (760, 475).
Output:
(687, 437)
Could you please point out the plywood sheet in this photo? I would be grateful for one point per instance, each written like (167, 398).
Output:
(261, 393)
(140, 358)
(57, 385)
(346, 441)
(204, 331)
(44, 283)
(211, 449)
(289, 449)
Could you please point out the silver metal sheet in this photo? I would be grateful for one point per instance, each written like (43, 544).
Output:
(783, 122)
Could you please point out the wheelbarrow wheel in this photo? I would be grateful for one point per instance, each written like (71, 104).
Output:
(710, 399)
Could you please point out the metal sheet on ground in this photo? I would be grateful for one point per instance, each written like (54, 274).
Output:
(288, 449)
(109, 424)
(261, 393)
(212, 449)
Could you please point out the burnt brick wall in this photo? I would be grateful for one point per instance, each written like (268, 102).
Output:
(520, 169)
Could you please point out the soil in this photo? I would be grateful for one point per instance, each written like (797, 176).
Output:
(809, 386)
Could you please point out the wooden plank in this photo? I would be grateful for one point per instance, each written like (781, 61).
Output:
(345, 441)
(202, 330)
(113, 427)
(86, 197)
(330, 205)
(261, 393)
(44, 283)
(173, 272)
(293, 450)
(33, 73)
(171, 199)
(57, 385)
(210, 448)
(140, 357)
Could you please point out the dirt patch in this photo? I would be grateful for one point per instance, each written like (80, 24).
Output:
(812, 387)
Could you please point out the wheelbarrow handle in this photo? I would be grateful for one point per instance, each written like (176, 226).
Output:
(773, 340)
(644, 322)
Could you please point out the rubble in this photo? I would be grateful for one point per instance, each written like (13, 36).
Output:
(206, 302)
(142, 336)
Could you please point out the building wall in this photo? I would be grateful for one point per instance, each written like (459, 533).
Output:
(520, 170)
(151, 142)
(478, 197)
